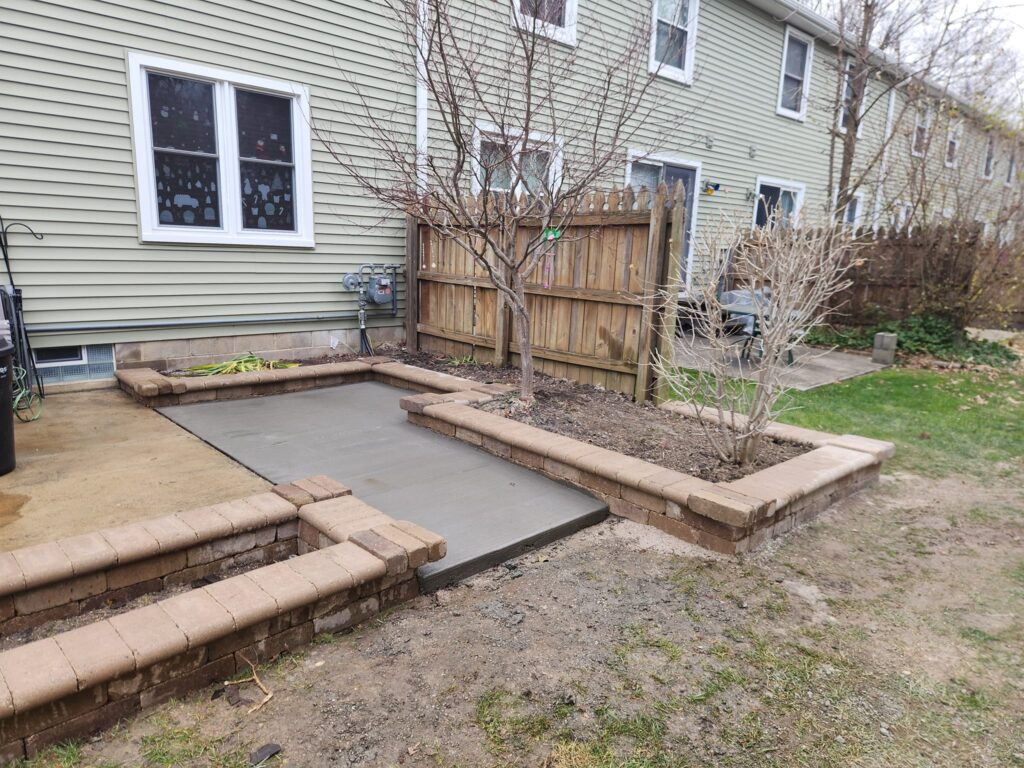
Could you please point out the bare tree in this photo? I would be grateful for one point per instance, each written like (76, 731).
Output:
(528, 127)
(788, 277)
(898, 58)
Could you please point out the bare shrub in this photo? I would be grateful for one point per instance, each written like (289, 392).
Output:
(789, 276)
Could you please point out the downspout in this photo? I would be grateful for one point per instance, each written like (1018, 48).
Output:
(421, 96)
(883, 169)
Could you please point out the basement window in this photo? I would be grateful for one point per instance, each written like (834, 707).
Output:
(53, 356)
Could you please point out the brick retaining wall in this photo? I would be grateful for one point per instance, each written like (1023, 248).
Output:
(74, 683)
(728, 517)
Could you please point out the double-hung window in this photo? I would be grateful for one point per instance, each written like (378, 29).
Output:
(953, 137)
(795, 79)
(511, 165)
(922, 131)
(674, 38)
(1011, 168)
(552, 18)
(221, 157)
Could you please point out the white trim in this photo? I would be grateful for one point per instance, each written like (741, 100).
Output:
(784, 184)
(903, 211)
(884, 169)
(954, 135)
(637, 156)
(654, 67)
(535, 139)
(988, 170)
(858, 218)
(422, 105)
(863, 104)
(230, 232)
(565, 34)
(82, 360)
(929, 118)
(1011, 171)
(801, 114)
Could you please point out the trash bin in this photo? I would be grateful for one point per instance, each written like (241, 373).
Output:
(6, 406)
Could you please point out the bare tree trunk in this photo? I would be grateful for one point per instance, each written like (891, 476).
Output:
(521, 319)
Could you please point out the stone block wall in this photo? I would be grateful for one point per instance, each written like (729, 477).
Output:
(76, 682)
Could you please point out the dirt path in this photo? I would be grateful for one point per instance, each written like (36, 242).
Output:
(97, 459)
(888, 633)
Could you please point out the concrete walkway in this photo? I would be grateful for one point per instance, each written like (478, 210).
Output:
(812, 367)
(487, 508)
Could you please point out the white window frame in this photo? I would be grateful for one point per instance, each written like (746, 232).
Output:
(801, 114)
(1011, 170)
(784, 184)
(565, 34)
(638, 156)
(858, 219)
(83, 358)
(230, 232)
(904, 211)
(537, 139)
(988, 160)
(684, 75)
(863, 104)
(954, 135)
(929, 118)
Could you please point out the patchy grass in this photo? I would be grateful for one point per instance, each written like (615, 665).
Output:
(173, 744)
(499, 715)
(968, 423)
(67, 755)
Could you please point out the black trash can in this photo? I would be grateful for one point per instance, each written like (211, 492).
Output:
(6, 407)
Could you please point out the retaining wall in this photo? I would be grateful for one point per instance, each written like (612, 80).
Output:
(729, 517)
(76, 682)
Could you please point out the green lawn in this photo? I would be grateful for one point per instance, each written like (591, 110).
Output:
(941, 423)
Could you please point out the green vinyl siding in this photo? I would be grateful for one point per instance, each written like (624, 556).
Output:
(66, 159)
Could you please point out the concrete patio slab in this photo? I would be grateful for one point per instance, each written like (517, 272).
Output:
(96, 459)
(812, 368)
(488, 509)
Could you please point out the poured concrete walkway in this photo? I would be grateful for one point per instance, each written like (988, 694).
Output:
(813, 367)
(487, 508)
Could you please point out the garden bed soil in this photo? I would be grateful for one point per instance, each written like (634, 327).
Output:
(114, 607)
(610, 420)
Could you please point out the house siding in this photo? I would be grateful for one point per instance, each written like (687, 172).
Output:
(66, 163)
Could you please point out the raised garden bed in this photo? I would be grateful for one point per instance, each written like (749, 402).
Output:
(731, 516)
(156, 390)
(352, 562)
(673, 487)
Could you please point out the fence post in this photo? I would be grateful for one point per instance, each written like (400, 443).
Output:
(412, 288)
(502, 321)
(653, 268)
(669, 280)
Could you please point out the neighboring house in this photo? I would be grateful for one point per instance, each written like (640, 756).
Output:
(189, 211)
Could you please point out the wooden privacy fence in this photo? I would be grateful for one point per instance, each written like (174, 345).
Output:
(935, 269)
(593, 303)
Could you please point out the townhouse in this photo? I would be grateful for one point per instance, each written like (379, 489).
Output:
(173, 156)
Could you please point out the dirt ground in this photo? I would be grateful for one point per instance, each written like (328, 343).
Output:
(889, 632)
(97, 459)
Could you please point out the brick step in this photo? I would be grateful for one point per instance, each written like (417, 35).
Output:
(80, 681)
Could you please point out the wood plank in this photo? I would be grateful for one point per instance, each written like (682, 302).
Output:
(653, 267)
(412, 266)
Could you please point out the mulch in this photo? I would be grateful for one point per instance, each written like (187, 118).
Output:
(608, 419)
